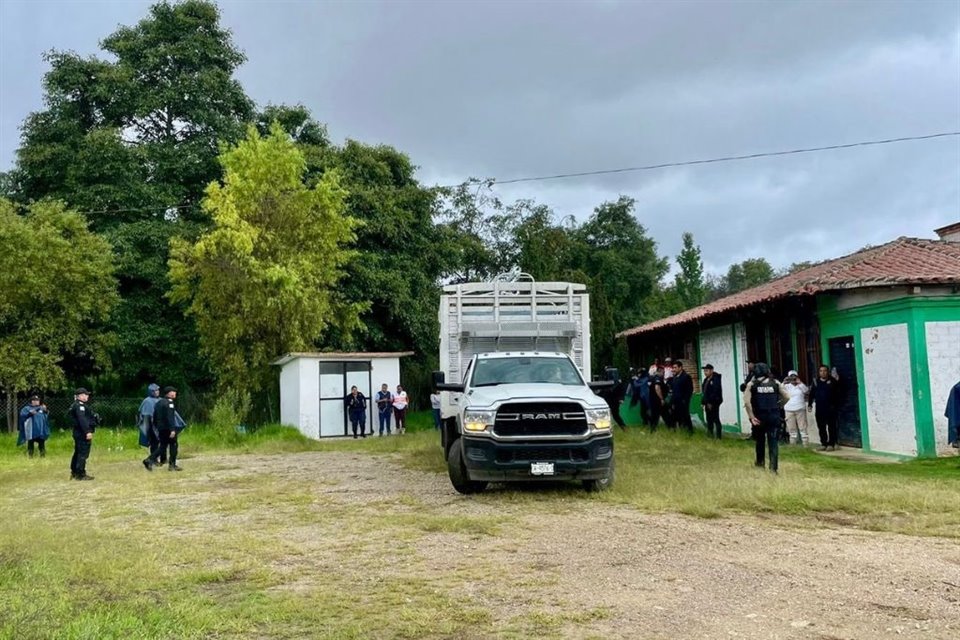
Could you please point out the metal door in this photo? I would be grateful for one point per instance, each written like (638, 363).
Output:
(843, 358)
(336, 379)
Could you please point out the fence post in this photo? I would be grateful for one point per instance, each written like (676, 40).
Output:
(12, 412)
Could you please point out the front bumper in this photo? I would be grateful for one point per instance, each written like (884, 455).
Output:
(489, 460)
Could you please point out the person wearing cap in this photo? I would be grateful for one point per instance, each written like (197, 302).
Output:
(149, 437)
(85, 422)
(712, 399)
(34, 426)
(795, 410)
(762, 399)
(681, 392)
(167, 423)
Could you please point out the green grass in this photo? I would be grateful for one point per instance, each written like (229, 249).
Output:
(217, 552)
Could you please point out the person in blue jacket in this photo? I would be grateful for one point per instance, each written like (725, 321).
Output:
(149, 436)
(34, 426)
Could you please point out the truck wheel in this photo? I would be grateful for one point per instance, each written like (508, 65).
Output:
(458, 471)
(602, 484)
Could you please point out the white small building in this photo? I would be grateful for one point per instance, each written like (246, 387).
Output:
(313, 387)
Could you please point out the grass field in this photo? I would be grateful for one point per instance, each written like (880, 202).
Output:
(137, 555)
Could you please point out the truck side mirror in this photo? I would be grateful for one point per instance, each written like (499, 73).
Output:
(456, 388)
(439, 377)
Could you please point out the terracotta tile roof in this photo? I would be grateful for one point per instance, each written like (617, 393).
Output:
(905, 261)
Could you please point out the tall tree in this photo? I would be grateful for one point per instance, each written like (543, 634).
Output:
(56, 292)
(689, 282)
(622, 262)
(263, 281)
(133, 140)
(749, 273)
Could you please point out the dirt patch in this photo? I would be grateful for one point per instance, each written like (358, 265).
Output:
(575, 567)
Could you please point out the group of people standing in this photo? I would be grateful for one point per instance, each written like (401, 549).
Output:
(664, 392)
(389, 405)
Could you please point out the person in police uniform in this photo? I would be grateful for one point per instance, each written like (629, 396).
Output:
(165, 422)
(84, 422)
(762, 398)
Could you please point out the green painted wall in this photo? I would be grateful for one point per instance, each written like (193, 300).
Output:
(914, 311)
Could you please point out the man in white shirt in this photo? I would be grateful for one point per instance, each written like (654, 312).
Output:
(435, 404)
(796, 408)
(400, 409)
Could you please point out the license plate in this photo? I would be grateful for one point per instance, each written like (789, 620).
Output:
(541, 468)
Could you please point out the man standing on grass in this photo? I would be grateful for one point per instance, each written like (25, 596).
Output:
(712, 399)
(825, 398)
(384, 407)
(681, 391)
(400, 409)
(658, 396)
(762, 399)
(84, 422)
(357, 411)
(435, 406)
(795, 411)
(34, 427)
(149, 437)
(168, 424)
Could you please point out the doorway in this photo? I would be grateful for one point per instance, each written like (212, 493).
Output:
(843, 358)
(336, 379)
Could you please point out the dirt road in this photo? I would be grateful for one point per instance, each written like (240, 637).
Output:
(592, 569)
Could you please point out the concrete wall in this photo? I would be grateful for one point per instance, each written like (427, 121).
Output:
(716, 348)
(943, 363)
(885, 352)
(309, 371)
(385, 370)
(290, 393)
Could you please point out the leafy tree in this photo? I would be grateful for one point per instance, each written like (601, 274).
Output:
(689, 282)
(749, 273)
(133, 140)
(613, 248)
(56, 292)
(263, 280)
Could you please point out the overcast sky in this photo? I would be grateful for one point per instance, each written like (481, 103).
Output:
(515, 89)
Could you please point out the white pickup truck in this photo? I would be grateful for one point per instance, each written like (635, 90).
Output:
(517, 401)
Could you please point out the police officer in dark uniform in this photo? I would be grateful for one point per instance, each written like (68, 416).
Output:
(762, 398)
(84, 422)
(165, 422)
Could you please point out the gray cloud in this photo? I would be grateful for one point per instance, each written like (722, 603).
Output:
(508, 89)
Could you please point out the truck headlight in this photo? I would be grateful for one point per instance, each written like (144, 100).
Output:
(599, 418)
(478, 420)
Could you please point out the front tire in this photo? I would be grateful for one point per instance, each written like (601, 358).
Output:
(601, 484)
(457, 471)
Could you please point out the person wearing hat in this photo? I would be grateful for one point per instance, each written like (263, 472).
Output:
(712, 399)
(762, 399)
(85, 422)
(149, 437)
(795, 411)
(167, 422)
(33, 426)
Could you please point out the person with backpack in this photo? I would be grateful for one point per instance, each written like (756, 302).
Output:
(762, 398)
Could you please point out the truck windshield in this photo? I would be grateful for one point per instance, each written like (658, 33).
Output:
(525, 370)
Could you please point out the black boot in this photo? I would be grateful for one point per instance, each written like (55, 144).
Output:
(174, 467)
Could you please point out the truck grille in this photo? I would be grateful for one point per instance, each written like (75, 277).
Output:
(540, 419)
(526, 454)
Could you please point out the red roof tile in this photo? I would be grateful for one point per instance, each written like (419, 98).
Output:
(905, 261)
